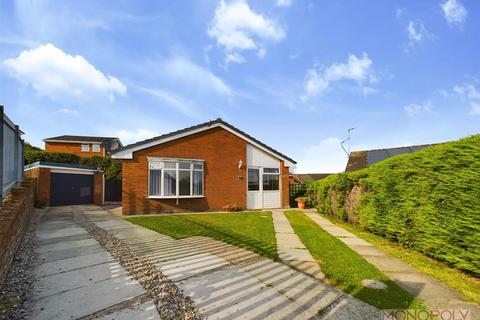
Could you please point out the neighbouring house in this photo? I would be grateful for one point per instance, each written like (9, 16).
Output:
(361, 159)
(298, 178)
(83, 146)
(200, 168)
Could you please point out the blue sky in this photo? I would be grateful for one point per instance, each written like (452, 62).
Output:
(294, 74)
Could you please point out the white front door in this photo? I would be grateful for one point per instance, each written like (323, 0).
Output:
(263, 188)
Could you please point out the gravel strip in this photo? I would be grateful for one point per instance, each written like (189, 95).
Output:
(15, 289)
(168, 298)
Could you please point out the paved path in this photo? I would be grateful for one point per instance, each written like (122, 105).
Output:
(434, 294)
(290, 248)
(227, 282)
(76, 277)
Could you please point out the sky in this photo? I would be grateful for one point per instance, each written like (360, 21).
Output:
(295, 74)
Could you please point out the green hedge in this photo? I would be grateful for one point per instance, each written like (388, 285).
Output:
(111, 167)
(428, 200)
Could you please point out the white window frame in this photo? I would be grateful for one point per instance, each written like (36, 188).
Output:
(96, 145)
(262, 172)
(160, 161)
(87, 147)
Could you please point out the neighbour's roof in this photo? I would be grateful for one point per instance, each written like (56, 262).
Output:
(362, 159)
(311, 176)
(194, 129)
(80, 138)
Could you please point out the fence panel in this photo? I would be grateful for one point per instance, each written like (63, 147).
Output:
(297, 190)
(113, 190)
(11, 155)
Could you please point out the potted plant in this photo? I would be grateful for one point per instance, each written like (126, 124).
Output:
(231, 207)
(301, 201)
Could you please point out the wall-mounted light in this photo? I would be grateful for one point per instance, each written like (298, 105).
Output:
(240, 164)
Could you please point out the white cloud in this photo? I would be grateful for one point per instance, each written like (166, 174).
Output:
(325, 157)
(66, 111)
(236, 27)
(234, 57)
(131, 136)
(357, 69)
(417, 34)
(468, 92)
(194, 76)
(55, 74)
(414, 109)
(455, 13)
(475, 109)
(283, 3)
(183, 105)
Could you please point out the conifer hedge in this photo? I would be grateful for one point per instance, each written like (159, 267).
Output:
(428, 200)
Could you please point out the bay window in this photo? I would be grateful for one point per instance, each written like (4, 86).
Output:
(175, 178)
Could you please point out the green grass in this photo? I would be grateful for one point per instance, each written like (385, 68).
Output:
(250, 230)
(427, 200)
(345, 269)
(465, 284)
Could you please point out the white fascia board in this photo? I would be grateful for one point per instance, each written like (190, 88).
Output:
(128, 153)
(71, 170)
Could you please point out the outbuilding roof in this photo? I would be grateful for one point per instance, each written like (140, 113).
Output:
(362, 159)
(127, 151)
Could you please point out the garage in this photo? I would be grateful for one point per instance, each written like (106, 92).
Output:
(61, 184)
(70, 189)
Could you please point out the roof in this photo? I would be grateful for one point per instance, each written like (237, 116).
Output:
(362, 159)
(311, 176)
(72, 138)
(126, 151)
(46, 164)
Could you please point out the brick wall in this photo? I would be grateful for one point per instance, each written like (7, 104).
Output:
(285, 176)
(224, 182)
(41, 186)
(98, 188)
(74, 148)
(14, 218)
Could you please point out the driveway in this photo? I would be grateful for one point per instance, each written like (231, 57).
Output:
(77, 277)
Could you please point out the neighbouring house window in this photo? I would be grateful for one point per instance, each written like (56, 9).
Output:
(95, 148)
(85, 147)
(253, 179)
(271, 178)
(171, 178)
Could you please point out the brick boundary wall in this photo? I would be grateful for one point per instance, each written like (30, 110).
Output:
(15, 216)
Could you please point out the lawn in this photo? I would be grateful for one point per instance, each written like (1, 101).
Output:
(467, 285)
(345, 269)
(250, 230)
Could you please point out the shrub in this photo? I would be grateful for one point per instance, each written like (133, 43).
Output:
(428, 200)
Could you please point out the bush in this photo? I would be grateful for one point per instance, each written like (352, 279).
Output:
(112, 168)
(428, 200)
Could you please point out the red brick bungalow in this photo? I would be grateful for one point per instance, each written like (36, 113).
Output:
(200, 168)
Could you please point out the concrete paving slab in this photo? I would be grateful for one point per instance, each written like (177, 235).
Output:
(145, 311)
(355, 241)
(289, 240)
(370, 250)
(194, 265)
(69, 253)
(48, 234)
(294, 254)
(61, 239)
(233, 294)
(349, 308)
(63, 245)
(82, 277)
(388, 263)
(57, 266)
(338, 232)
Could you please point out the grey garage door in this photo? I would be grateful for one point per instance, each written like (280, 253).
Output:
(70, 189)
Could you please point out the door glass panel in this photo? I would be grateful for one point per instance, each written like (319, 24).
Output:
(253, 180)
(270, 170)
(270, 182)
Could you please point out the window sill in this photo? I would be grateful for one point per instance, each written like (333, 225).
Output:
(174, 197)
